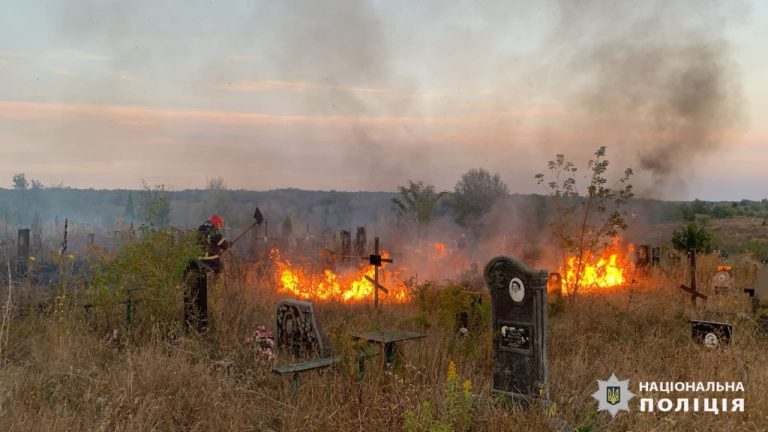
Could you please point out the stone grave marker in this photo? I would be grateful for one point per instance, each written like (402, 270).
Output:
(297, 331)
(22, 252)
(710, 333)
(345, 248)
(761, 286)
(721, 282)
(643, 261)
(519, 304)
(656, 256)
(361, 242)
(726, 297)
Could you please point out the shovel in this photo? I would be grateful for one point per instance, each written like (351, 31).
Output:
(257, 216)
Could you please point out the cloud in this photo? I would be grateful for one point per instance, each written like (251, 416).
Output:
(63, 72)
(87, 56)
(37, 111)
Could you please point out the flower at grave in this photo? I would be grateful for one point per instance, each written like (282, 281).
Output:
(32, 258)
(262, 342)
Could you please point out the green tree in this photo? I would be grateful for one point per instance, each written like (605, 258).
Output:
(20, 182)
(416, 203)
(686, 212)
(699, 207)
(154, 205)
(692, 239)
(723, 211)
(475, 193)
(585, 222)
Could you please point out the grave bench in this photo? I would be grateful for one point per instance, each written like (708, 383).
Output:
(296, 368)
(297, 331)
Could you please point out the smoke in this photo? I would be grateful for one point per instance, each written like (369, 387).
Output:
(382, 91)
(657, 79)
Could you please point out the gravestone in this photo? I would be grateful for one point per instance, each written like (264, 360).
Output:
(761, 287)
(361, 242)
(519, 304)
(656, 256)
(710, 333)
(721, 282)
(297, 331)
(345, 247)
(643, 261)
(22, 252)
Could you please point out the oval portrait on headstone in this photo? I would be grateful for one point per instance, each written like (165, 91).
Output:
(516, 290)
(711, 340)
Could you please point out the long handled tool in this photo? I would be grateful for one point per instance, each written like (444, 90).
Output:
(258, 217)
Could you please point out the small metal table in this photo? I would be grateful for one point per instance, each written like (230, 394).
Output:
(389, 339)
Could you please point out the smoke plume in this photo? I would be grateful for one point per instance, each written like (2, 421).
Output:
(657, 78)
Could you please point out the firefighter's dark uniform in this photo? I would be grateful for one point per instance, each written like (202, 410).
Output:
(196, 293)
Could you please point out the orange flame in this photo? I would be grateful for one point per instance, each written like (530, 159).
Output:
(597, 272)
(438, 251)
(330, 286)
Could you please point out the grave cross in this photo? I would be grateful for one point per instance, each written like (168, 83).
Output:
(64, 243)
(694, 293)
(376, 261)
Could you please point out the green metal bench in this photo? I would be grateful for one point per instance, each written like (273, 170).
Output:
(297, 368)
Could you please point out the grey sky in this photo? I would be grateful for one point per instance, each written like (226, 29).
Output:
(353, 95)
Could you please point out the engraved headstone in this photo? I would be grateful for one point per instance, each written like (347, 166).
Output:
(519, 303)
(297, 331)
(710, 333)
(722, 282)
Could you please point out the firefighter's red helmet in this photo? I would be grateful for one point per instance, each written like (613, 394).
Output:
(217, 221)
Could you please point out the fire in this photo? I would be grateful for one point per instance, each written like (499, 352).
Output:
(330, 286)
(598, 272)
(438, 251)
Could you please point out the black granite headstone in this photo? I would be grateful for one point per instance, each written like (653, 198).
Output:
(711, 334)
(519, 302)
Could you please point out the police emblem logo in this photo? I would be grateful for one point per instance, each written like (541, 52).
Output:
(613, 395)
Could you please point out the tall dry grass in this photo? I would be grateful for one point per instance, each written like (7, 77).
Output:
(62, 374)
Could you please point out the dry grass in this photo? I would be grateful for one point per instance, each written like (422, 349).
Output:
(60, 374)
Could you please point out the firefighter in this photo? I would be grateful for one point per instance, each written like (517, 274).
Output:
(213, 243)
(196, 294)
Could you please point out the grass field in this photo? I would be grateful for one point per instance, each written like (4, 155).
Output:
(61, 373)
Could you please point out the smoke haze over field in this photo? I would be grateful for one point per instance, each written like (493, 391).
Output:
(353, 95)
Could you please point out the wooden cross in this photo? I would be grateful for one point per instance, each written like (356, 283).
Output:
(376, 261)
(694, 293)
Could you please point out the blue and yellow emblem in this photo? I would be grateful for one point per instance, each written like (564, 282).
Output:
(613, 395)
